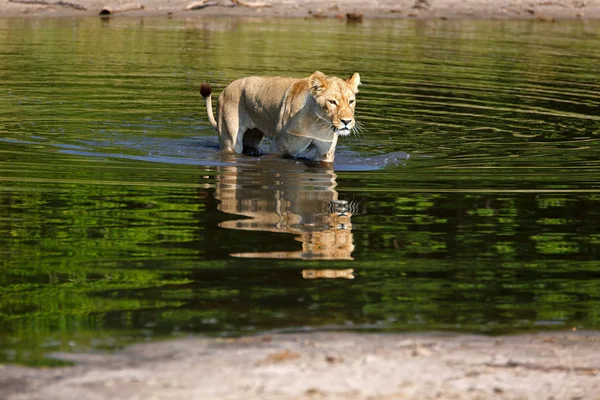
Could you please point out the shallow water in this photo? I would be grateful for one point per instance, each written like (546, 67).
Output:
(470, 201)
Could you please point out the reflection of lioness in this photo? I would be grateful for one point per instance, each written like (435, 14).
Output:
(303, 117)
(283, 196)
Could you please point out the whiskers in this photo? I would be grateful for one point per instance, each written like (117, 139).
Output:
(322, 122)
(320, 118)
(358, 130)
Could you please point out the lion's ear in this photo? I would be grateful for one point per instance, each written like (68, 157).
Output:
(317, 82)
(354, 82)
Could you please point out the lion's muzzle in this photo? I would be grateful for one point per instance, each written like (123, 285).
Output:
(345, 126)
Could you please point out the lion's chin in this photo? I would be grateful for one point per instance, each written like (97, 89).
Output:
(343, 132)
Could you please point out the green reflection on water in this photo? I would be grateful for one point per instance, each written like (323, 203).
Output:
(120, 221)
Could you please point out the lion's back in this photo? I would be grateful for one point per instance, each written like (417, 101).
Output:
(261, 97)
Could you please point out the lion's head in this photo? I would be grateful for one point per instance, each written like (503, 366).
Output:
(336, 100)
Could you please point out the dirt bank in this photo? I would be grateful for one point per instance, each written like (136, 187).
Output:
(327, 366)
(546, 10)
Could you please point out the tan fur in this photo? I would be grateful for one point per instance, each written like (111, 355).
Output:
(303, 117)
(328, 273)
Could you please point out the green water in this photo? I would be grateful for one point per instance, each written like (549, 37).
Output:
(474, 186)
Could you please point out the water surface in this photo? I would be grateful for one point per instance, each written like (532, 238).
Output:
(470, 201)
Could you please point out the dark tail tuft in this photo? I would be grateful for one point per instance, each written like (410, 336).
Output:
(205, 90)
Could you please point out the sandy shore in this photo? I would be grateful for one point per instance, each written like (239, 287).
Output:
(560, 366)
(546, 10)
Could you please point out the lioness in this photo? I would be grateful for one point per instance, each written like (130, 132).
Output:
(303, 117)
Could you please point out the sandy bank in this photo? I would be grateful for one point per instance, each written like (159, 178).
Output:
(326, 366)
(545, 10)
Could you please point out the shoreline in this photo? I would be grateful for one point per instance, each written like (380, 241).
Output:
(542, 10)
(325, 365)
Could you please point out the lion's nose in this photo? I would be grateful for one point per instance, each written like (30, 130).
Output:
(346, 121)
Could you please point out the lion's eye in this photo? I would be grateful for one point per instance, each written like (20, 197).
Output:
(333, 102)
(351, 101)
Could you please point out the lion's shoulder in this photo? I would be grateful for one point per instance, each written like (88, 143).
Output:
(299, 89)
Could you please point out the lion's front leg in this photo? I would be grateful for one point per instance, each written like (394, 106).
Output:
(290, 145)
(325, 150)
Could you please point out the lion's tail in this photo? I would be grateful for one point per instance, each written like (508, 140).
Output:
(205, 92)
